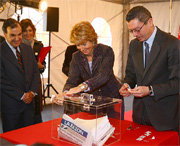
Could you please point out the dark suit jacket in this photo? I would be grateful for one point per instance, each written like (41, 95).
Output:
(1, 39)
(37, 49)
(14, 81)
(162, 72)
(68, 57)
(102, 80)
(38, 98)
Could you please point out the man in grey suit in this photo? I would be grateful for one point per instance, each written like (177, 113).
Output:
(152, 72)
(19, 78)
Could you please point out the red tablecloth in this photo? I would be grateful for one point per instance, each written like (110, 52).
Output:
(136, 135)
(128, 116)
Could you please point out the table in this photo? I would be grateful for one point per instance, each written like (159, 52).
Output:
(132, 134)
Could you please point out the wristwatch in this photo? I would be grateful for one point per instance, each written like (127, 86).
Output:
(83, 86)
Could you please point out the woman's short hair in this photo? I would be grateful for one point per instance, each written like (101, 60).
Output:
(83, 31)
(25, 23)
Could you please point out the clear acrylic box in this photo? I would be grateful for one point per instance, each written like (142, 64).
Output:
(85, 119)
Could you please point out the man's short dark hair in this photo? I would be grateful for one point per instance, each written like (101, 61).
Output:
(10, 22)
(139, 12)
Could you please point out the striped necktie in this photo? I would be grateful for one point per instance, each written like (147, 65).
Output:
(146, 53)
(19, 58)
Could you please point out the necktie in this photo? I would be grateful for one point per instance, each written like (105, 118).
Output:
(19, 58)
(146, 53)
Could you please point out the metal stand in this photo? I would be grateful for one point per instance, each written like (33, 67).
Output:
(48, 85)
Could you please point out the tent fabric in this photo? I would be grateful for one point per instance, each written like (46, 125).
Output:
(74, 11)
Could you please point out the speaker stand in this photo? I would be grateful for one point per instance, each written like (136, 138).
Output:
(48, 85)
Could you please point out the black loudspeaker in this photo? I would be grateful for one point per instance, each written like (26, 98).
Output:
(51, 19)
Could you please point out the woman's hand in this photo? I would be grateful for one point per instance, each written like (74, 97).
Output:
(73, 91)
(58, 98)
(80, 88)
(40, 65)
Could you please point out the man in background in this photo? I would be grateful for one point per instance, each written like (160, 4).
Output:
(68, 57)
(152, 72)
(19, 78)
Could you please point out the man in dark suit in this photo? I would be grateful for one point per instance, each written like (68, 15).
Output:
(19, 78)
(152, 72)
(68, 57)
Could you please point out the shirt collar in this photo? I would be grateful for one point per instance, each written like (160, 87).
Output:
(12, 48)
(151, 38)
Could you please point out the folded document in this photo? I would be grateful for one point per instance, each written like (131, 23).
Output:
(85, 132)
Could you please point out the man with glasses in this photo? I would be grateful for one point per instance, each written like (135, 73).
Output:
(152, 72)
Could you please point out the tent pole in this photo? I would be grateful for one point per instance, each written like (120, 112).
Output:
(125, 41)
(170, 16)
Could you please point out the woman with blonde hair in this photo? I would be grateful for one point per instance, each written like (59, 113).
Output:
(91, 68)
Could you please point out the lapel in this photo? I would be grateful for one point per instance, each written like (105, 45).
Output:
(84, 63)
(139, 58)
(37, 46)
(11, 57)
(23, 53)
(96, 58)
(155, 49)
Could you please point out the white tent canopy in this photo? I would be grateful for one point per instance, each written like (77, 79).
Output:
(74, 11)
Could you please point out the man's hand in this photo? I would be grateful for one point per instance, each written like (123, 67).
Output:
(124, 90)
(140, 91)
(27, 98)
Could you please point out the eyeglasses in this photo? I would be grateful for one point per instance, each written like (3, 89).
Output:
(138, 30)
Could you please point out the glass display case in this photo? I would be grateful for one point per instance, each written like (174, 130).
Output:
(86, 119)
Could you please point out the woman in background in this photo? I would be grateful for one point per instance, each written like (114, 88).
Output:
(91, 68)
(28, 34)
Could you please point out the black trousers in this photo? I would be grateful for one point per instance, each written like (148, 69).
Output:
(12, 121)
